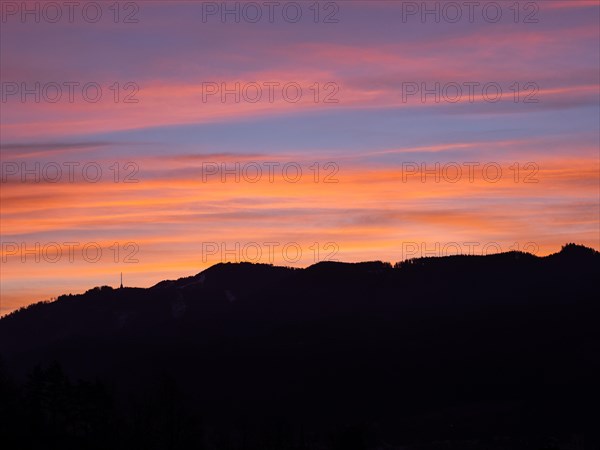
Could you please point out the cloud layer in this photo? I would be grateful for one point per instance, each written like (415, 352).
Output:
(406, 131)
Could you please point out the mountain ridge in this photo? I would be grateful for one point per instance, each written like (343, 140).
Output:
(427, 349)
(223, 269)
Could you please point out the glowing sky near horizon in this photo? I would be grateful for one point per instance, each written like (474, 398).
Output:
(368, 199)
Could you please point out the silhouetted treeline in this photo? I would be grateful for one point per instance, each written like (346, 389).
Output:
(51, 412)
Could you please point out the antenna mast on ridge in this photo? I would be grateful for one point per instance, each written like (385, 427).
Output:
(121, 287)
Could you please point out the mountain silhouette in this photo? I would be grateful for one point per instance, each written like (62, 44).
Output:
(466, 352)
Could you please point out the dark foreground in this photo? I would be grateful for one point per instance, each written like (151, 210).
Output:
(495, 352)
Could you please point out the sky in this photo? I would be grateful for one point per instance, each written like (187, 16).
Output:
(159, 138)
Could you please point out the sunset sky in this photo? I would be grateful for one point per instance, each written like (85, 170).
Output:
(529, 175)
